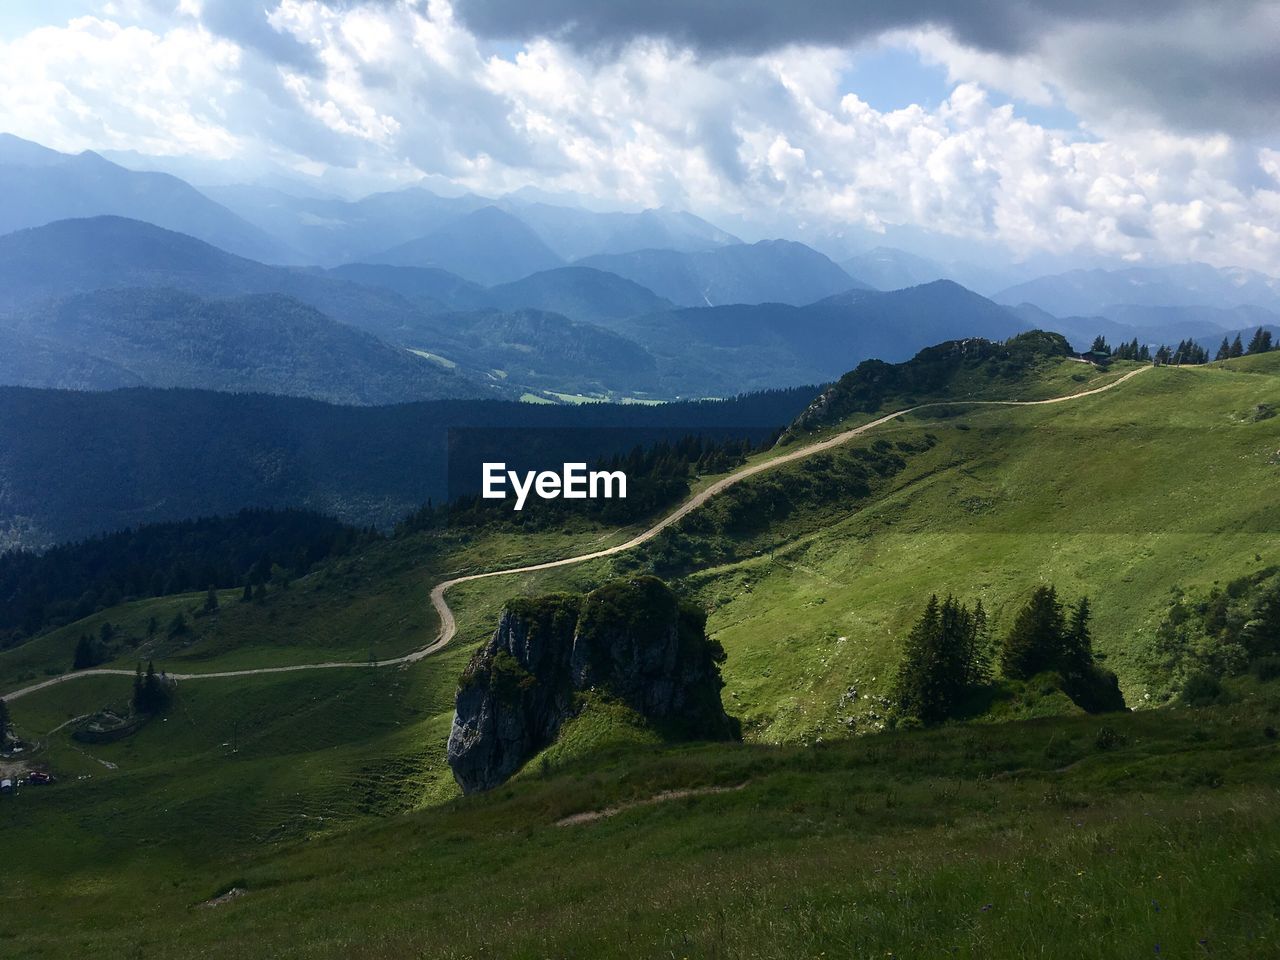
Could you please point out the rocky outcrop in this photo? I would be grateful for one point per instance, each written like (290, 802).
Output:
(631, 640)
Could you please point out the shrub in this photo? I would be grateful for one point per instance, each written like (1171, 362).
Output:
(1202, 690)
(1109, 738)
(1266, 668)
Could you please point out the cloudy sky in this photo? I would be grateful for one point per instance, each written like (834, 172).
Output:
(1147, 130)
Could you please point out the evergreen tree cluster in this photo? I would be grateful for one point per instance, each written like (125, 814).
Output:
(658, 475)
(1132, 351)
(1260, 342)
(874, 383)
(946, 657)
(1187, 351)
(45, 590)
(91, 651)
(1046, 637)
(151, 692)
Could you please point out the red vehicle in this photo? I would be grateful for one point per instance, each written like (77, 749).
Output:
(40, 778)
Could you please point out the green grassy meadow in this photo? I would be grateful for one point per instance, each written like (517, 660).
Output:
(325, 794)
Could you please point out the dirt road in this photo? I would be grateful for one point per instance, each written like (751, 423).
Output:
(449, 626)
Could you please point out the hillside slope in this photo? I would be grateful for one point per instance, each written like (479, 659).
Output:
(767, 344)
(966, 838)
(260, 343)
(770, 271)
(73, 464)
(580, 293)
(485, 246)
(112, 253)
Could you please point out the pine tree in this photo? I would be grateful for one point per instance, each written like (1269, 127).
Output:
(942, 660)
(980, 659)
(1224, 351)
(247, 595)
(211, 600)
(1077, 647)
(4, 722)
(1261, 341)
(1034, 643)
(1100, 345)
(1145, 354)
(913, 692)
(150, 692)
(1237, 347)
(86, 654)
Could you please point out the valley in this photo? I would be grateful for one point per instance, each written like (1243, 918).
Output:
(923, 595)
(263, 781)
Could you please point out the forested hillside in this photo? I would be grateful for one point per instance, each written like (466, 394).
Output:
(73, 464)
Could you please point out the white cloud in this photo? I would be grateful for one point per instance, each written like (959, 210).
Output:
(95, 83)
(400, 90)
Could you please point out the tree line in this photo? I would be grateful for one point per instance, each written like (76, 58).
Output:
(39, 591)
(1187, 351)
(658, 476)
(949, 655)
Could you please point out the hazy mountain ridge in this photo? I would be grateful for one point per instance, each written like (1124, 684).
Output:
(641, 344)
(1089, 292)
(770, 271)
(486, 246)
(262, 343)
(758, 344)
(41, 186)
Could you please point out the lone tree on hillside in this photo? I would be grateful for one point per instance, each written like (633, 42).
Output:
(211, 600)
(151, 694)
(945, 657)
(1261, 341)
(86, 654)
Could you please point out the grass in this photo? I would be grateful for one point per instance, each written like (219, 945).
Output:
(338, 815)
(1122, 496)
(989, 841)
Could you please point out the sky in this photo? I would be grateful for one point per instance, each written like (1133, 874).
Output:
(1140, 131)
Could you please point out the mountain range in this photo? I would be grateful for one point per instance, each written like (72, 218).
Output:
(257, 343)
(770, 271)
(573, 329)
(1100, 291)
(40, 185)
(468, 296)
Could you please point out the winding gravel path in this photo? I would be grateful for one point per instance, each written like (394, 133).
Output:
(449, 626)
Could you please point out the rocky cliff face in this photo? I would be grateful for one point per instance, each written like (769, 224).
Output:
(630, 639)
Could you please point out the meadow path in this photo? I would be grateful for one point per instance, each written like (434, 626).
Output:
(449, 626)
